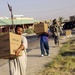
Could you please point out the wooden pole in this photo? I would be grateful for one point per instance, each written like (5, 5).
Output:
(12, 21)
(10, 9)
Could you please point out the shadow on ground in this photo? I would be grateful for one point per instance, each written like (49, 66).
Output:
(33, 56)
(29, 49)
(68, 53)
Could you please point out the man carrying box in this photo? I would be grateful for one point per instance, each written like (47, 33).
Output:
(44, 45)
(18, 64)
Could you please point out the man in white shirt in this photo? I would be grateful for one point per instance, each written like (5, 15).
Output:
(18, 64)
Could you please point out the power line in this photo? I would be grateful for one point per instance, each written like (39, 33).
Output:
(51, 10)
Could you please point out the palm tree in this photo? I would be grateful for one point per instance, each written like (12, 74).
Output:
(61, 19)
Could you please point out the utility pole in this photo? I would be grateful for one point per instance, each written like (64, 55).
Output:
(12, 20)
(10, 9)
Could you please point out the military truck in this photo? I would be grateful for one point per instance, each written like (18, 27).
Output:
(69, 24)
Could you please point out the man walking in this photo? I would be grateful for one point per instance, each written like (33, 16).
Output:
(56, 32)
(18, 64)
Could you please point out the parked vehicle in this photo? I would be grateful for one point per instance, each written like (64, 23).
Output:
(69, 25)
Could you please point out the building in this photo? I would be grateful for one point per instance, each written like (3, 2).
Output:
(6, 23)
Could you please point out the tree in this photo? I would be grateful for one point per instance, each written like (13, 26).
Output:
(61, 19)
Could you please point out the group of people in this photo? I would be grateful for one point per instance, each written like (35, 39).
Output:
(18, 64)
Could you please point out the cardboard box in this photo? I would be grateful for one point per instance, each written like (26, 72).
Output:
(9, 42)
(40, 28)
(68, 32)
(72, 46)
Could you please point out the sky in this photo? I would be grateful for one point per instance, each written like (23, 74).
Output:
(39, 9)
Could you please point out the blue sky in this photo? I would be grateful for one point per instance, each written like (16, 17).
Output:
(39, 9)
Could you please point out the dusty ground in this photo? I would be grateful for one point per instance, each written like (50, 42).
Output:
(35, 62)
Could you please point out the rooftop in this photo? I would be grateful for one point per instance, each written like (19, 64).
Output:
(8, 21)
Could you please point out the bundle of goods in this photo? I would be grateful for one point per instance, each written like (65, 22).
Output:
(40, 28)
(9, 42)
